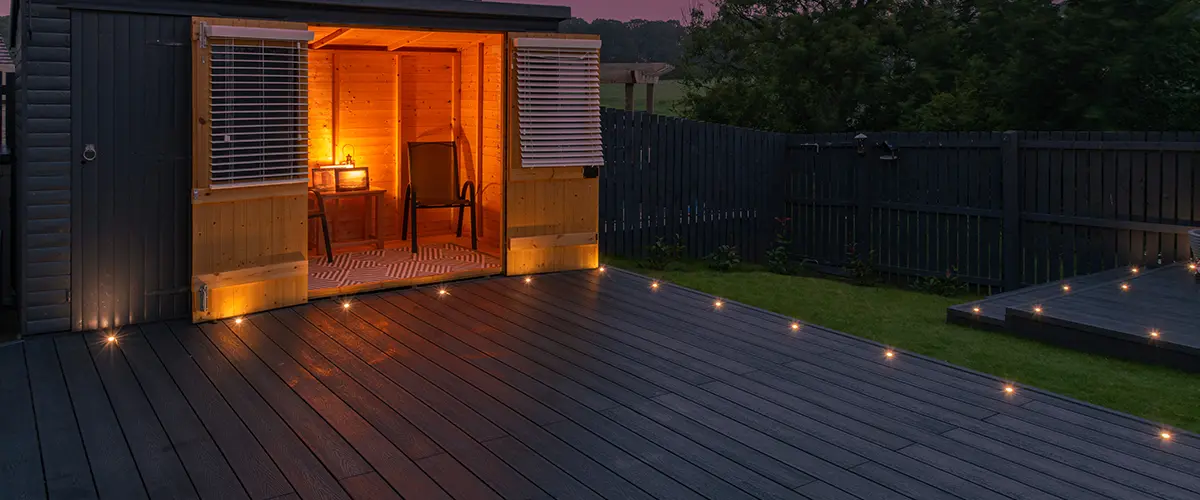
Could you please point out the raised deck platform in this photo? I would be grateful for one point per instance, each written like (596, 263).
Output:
(1151, 316)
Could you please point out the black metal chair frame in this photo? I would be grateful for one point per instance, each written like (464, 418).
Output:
(320, 213)
(465, 196)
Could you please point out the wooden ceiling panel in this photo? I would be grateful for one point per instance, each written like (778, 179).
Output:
(331, 36)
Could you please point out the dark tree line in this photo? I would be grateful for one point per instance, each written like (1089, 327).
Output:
(634, 41)
(836, 65)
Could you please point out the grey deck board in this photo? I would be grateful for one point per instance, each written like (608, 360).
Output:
(64, 463)
(578, 385)
(20, 471)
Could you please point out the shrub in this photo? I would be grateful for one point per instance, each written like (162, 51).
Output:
(860, 267)
(662, 253)
(947, 285)
(724, 259)
(778, 259)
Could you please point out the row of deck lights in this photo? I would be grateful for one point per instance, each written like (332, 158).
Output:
(889, 354)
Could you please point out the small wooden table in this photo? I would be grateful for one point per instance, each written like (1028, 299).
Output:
(371, 201)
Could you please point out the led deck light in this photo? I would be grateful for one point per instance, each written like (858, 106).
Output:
(1008, 389)
(442, 292)
(654, 285)
(889, 354)
(717, 304)
(601, 268)
(111, 339)
(528, 280)
(976, 310)
(1066, 288)
(1154, 334)
(1165, 435)
(1124, 287)
(1037, 309)
(237, 321)
(795, 327)
(346, 304)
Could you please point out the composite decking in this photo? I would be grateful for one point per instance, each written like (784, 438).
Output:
(1112, 313)
(577, 385)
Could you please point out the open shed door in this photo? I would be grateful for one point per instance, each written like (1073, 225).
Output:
(250, 166)
(554, 152)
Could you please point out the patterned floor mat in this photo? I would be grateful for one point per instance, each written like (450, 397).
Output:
(394, 264)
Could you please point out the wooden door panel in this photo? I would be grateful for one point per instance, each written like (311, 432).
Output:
(552, 213)
(249, 250)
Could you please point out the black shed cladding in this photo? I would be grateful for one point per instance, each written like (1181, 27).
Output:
(106, 242)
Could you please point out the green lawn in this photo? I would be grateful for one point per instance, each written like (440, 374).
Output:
(666, 94)
(917, 322)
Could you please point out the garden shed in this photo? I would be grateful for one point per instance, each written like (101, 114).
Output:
(204, 160)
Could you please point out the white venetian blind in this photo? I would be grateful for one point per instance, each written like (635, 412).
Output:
(558, 102)
(259, 102)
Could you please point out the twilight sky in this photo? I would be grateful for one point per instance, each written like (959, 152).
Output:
(622, 10)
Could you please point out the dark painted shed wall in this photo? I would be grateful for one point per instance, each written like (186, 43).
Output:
(63, 282)
(43, 180)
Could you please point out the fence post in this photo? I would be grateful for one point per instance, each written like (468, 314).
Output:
(862, 202)
(1011, 249)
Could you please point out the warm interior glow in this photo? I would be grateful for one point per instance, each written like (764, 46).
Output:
(371, 93)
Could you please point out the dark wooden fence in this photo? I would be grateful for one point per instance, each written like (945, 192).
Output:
(999, 209)
(665, 177)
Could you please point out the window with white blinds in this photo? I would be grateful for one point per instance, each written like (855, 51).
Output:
(558, 102)
(259, 99)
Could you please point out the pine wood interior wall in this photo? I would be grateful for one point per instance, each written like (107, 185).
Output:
(372, 105)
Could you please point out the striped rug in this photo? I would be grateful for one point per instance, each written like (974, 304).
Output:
(393, 264)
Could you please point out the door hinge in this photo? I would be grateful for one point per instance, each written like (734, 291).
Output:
(195, 194)
(202, 298)
(202, 37)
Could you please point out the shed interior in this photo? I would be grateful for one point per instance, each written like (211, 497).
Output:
(374, 92)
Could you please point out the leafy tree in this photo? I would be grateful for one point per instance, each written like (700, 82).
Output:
(638, 40)
(834, 65)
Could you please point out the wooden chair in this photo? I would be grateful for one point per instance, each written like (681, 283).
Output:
(433, 182)
(319, 213)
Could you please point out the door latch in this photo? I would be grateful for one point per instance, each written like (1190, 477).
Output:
(89, 152)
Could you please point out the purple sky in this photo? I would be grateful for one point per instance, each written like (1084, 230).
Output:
(624, 10)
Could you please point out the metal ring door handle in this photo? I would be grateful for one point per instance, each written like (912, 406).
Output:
(89, 152)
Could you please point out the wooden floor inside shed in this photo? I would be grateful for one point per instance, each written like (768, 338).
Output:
(575, 385)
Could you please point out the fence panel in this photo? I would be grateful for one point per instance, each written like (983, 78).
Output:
(1001, 210)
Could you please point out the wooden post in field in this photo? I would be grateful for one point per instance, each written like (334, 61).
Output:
(1011, 248)
(634, 73)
